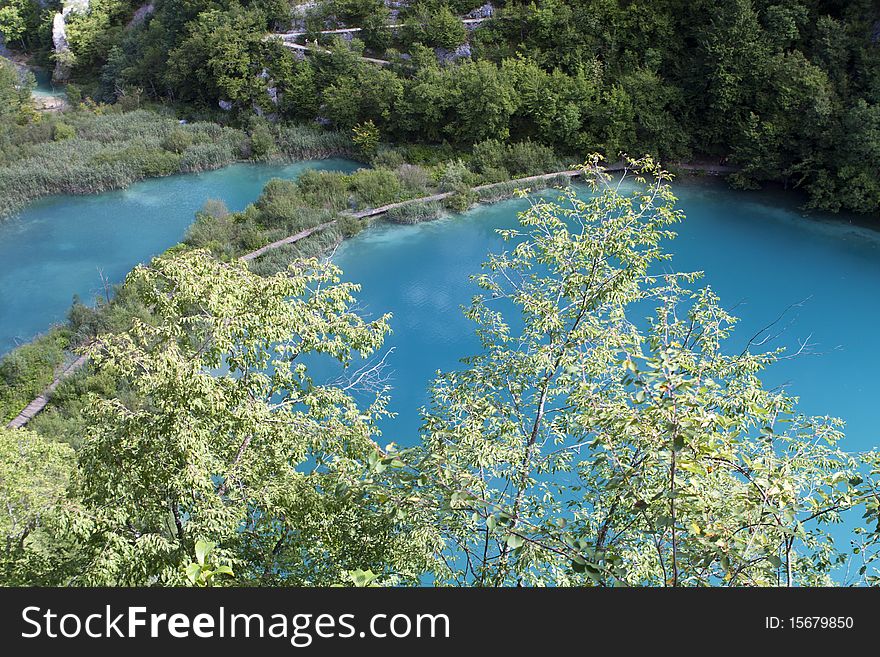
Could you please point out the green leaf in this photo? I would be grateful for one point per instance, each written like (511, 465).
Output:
(514, 541)
(362, 578)
(192, 572)
(203, 549)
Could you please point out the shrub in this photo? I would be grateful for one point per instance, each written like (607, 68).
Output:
(62, 131)
(413, 178)
(262, 142)
(323, 189)
(156, 162)
(74, 94)
(279, 202)
(460, 200)
(489, 154)
(388, 158)
(26, 371)
(495, 175)
(375, 187)
(178, 140)
(455, 176)
(349, 226)
(413, 213)
(130, 99)
(215, 208)
(528, 158)
(365, 136)
(520, 159)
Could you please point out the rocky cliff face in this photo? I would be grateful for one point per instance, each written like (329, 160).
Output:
(59, 37)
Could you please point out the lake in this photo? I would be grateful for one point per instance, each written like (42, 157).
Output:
(758, 251)
(61, 246)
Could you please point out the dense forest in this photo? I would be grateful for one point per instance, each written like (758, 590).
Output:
(224, 427)
(785, 90)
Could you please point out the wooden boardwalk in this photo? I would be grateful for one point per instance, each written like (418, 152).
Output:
(354, 30)
(287, 240)
(42, 400)
(313, 49)
(288, 39)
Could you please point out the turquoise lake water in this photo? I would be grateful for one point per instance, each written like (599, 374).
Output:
(45, 87)
(61, 246)
(758, 252)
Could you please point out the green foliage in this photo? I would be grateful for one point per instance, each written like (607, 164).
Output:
(85, 153)
(202, 571)
(772, 88)
(35, 473)
(220, 58)
(585, 448)
(363, 578)
(349, 226)
(455, 176)
(278, 450)
(518, 160)
(27, 370)
(414, 213)
(262, 141)
(15, 91)
(437, 28)
(368, 93)
(12, 23)
(375, 187)
(177, 141)
(414, 179)
(460, 200)
(365, 137)
(579, 446)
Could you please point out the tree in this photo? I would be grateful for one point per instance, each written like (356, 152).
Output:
(436, 27)
(226, 437)
(445, 30)
(20, 21)
(12, 23)
(583, 445)
(221, 58)
(370, 94)
(366, 137)
(35, 473)
(483, 100)
(15, 94)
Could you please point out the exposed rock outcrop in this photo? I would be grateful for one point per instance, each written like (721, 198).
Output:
(59, 37)
(141, 13)
(485, 11)
(447, 56)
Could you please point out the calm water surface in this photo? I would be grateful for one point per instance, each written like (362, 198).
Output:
(757, 251)
(61, 246)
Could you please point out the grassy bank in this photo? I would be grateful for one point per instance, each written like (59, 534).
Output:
(94, 150)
